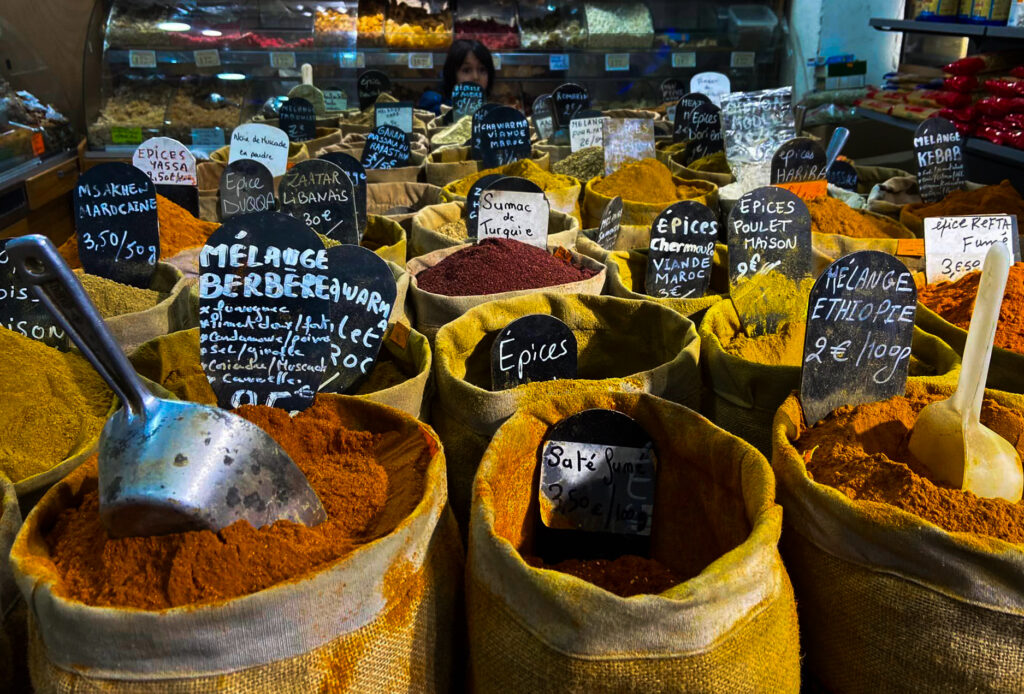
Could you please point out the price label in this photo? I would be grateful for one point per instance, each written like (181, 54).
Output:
(125, 136)
(533, 348)
(799, 166)
(263, 143)
(683, 121)
(467, 98)
(558, 62)
(706, 131)
(615, 62)
(38, 144)
(335, 100)
(956, 246)
(586, 132)
(320, 194)
(497, 61)
(206, 58)
(282, 61)
(21, 311)
(351, 60)
(142, 59)
(298, 119)
(681, 251)
(386, 147)
(940, 159)
(357, 174)
(684, 60)
(504, 137)
(672, 90)
(844, 175)
(208, 137)
(742, 59)
(421, 61)
(397, 114)
(246, 186)
(473, 202)
(611, 223)
(569, 99)
(625, 140)
(370, 85)
(172, 168)
(714, 85)
(516, 209)
(542, 116)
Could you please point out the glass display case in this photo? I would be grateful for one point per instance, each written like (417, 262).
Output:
(419, 25)
(491, 22)
(545, 26)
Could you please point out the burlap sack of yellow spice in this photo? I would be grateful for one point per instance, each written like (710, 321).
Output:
(431, 311)
(826, 248)
(678, 168)
(565, 198)
(424, 238)
(621, 345)
(379, 620)
(452, 163)
(401, 200)
(888, 601)
(741, 396)
(731, 628)
(13, 669)
(641, 213)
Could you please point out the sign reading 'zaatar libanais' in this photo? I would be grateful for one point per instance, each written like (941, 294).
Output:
(21, 311)
(264, 312)
(515, 209)
(940, 159)
(357, 174)
(537, 347)
(681, 252)
(263, 143)
(320, 194)
(626, 140)
(246, 186)
(860, 324)
(956, 246)
(386, 147)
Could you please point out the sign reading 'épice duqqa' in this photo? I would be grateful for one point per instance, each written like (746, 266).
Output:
(363, 292)
(263, 143)
(504, 137)
(298, 119)
(264, 312)
(116, 223)
(683, 125)
(598, 472)
(537, 347)
(706, 131)
(172, 168)
(515, 209)
(320, 194)
(682, 249)
(472, 209)
(357, 174)
(371, 84)
(246, 186)
(386, 147)
(626, 140)
(21, 311)
(860, 323)
(769, 237)
(940, 159)
(956, 246)
(467, 97)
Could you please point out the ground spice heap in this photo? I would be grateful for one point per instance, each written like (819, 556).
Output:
(454, 230)
(583, 164)
(785, 347)
(498, 265)
(624, 576)
(712, 163)
(524, 168)
(863, 452)
(53, 405)
(833, 216)
(954, 301)
(116, 299)
(153, 573)
(179, 230)
(997, 199)
(647, 181)
(455, 134)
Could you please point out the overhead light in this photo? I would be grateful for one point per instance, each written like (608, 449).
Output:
(173, 26)
(212, 32)
(231, 76)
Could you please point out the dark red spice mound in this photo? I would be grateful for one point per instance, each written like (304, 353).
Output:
(499, 265)
(625, 576)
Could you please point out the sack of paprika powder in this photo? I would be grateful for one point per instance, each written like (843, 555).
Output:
(621, 345)
(728, 625)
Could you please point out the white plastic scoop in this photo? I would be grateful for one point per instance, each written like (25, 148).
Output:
(949, 438)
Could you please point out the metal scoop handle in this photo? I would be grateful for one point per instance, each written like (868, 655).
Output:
(41, 267)
(839, 137)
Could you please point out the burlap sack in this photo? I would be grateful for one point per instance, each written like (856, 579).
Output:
(565, 198)
(409, 173)
(627, 272)
(13, 662)
(890, 196)
(400, 201)
(452, 163)
(630, 237)
(664, 149)
(741, 396)
(423, 238)
(386, 238)
(641, 213)
(678, 168)
(556, 153)
(888, 601)
(622, 345)
(870, 176)
(827, 248)
(431, 311)
(732, 627)
(910, 217)
(378, 620)
(418, 143)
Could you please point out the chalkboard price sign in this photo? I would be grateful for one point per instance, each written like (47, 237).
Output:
(516, 209)
(320, 194)
(683, 128)
(472, 209)
(672, 90)
(626, 140)
(543, 116)
(598, 471)
(940, 159)
(475, 136)
(504, 137)
(371, 84)
(116, 221)
(568, 100)
(682, 249)
(246, 186)
(172, 168)
(799, 165)
(844, 175)
(714, 84)
(363, 293)
(860, 323)
(264, 312)
(386, 147)
(21, 311)
(357, 175)
(706, 130)
(538, 347)
(467, 97)
(611, 223)
(298, 120)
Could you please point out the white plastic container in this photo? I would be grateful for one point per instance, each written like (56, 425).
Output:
(752, 27)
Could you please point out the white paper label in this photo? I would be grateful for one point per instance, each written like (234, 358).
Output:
(166, 162)
(421, 61)
(263, 143)
(614, 62)
(282, 61)
(742, 59)
(142, 59)
(397, 116)
(509, 214)
(206, 58)
(335, 100)
(586, 132)
(714, 84)
(684, 60)
(956, 246)
(558, 61)
(625, 140)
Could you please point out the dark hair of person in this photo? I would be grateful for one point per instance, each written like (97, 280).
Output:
(457, 55)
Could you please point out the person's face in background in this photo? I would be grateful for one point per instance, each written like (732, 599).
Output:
(472, 70)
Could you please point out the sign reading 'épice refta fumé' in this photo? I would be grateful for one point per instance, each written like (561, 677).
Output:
(21, 311)
(264, 312)
(321, 195)
(681, 252)
(537, 347)
(246, 186)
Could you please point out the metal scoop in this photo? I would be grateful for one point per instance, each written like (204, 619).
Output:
(949, 438)
(835, 146)
(166, 466)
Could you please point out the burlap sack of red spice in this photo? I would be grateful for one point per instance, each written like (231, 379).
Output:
(13, 663)
(890, 602)
(729, 627)
(379, 619)
(622, 345)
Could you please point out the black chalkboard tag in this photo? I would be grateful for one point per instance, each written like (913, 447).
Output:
(357, 174)
(860, 324)
(596, 487)
(683, 129)
(568, 100)
(611, 223)
(172, 168)
(20, 308)
(116, 223)
(706, 132)
(370, 85)
(398, 114)
(940, 159)
(516, 209)
(504, 137)
(543, 116)
(472, 208)
(321, 195)
(800, 166)
(246, 186)
(537, 347)
(681, 252)
(467, 97)
(844, 175)
(769, 237)
(386, 147)
(264, 312)
(476, 136)
(363, 293)
(298, 120)
(672, 90)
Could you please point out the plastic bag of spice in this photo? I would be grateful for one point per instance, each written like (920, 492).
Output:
(747, 379)
(401, 200)
(622, 345)
(627, 274)
(13, 642)
(646, 188)
(377, 616)
(477, 276)
(903, 586)
(443, 226)
(730, 623)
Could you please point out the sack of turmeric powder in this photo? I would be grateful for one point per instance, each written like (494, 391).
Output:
(747, 379)
(432, 310)
(386, 238)
(643, 213)
(442, 226)
(627, 273)
(13, 662)
(562, 192)
(379, 619)
(890, 602)
(400, 173)
(728, 625)
(625, 345)
(399, 201)
(827, 248)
